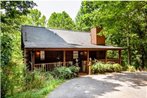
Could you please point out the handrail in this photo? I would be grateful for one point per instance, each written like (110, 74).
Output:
(50, 66)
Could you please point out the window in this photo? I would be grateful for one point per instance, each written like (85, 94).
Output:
(42, 55)
(75, 54)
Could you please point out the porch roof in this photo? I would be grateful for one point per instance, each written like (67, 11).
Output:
(40, 37)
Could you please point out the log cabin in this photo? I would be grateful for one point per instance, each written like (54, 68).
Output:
(47, 48)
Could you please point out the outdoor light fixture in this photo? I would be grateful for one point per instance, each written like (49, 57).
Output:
(37, 53)
(81, 53)
(85, 52)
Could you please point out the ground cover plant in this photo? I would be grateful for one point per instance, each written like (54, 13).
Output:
(100, 67)
(38, 83)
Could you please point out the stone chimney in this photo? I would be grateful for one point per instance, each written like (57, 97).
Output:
(97, 39)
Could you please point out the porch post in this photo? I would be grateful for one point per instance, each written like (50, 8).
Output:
(25, 56)
(32, 59)
(87, 67)
(64, 58)
(87, 57)
(106, 57)
(119, 51)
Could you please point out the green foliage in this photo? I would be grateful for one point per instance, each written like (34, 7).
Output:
(124, 24)
(84, 18)
(34, 79)
(145, 69)
(116, 67)
(15, 9)
(60, 21)
(131, 68)
(11, 78)
(74, 70)
(5, 53)
(103, 68)
(11, 54)
(37, 84)
(40, 92)
(65, 72)
(34, 18)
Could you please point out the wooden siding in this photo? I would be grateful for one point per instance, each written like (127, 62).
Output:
(97, 54)
(50, 56)
(101, 54)
(27, 58)
(69, 55)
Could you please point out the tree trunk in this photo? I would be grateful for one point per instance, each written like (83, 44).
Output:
(142, 51)
(141, 47)
(129, 50)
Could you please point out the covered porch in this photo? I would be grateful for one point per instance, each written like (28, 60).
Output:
(50, 58)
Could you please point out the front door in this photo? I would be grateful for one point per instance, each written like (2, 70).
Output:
(82, 57)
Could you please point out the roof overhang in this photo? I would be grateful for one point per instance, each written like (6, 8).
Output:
(74, 49)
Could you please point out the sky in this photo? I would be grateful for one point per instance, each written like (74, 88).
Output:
(47, 7)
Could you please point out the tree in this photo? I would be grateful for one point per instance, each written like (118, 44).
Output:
(124, 24)
(10, 23)
(84, 16)
(11, 55)
(60, 21)
(35, 18)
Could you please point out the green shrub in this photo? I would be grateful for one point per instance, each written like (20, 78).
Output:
(40, 92)
(37, 84)
(117, 67)
(145, 69)
(62, 72)
(49, 76)
(75, 70)
(131, 68)
(103, 68)
(11, 78)
(65, 72)
(35, 79)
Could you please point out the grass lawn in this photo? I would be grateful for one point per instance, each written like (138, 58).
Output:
(39, 93)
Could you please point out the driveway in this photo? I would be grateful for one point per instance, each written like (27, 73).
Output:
(114, 85)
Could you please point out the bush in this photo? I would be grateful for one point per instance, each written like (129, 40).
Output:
(103, 68)
(11, 78)
(39, 78)
(75, 70)
(117, 67)
(37, 84)
(35, 79)
(145, 69)
(62, 72)
(65, 72)
(38, 93)
(131, 68)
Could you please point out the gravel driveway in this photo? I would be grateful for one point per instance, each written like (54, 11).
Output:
(114, 85)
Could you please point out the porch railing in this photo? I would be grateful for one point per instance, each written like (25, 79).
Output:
(51, 66)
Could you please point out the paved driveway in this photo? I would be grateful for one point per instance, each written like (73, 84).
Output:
(115, 85)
